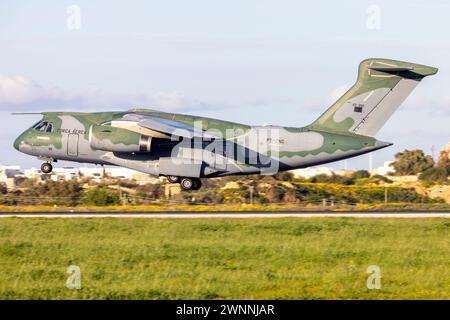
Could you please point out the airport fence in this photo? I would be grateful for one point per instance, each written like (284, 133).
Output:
(71, 201)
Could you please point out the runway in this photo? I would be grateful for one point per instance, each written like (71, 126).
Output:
(226, 215)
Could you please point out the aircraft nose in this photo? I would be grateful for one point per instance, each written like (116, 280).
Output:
(17, 143)
(18, 140)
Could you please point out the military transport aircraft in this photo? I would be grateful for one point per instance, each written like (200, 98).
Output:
(185, 148)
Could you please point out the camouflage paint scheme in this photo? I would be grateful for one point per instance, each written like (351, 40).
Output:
(147, 141)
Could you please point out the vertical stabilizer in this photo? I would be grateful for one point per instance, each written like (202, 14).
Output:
(381, 87)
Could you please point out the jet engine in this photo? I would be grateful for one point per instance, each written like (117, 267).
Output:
(115, 139)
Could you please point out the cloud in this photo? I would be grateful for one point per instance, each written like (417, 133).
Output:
(173, 101)
(18, 93)
(433, 106)
(418, 103)
(270, 101)
(18, 90)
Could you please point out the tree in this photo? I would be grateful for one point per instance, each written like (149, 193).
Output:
(444, 161)
(411, 162)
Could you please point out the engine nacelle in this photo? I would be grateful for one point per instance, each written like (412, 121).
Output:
(115, 139)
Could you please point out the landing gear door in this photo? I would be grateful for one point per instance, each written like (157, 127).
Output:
(72, 145)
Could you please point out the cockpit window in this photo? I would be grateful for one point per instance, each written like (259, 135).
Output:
(37, 124)
(44, 126)
(41, 126)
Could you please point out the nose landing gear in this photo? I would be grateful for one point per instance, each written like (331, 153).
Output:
(46, 167)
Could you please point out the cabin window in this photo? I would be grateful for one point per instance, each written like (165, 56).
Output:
(49, 128)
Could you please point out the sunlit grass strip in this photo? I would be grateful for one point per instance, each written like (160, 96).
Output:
(229, 207)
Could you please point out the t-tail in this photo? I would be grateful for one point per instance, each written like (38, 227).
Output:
(381, 87)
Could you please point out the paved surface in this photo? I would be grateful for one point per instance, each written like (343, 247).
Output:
(238, 215)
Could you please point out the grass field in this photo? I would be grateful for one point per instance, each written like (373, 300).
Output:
(320, 258)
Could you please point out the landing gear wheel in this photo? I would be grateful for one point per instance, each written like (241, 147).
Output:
(197, 184)
(46, 167)
(187, 184)
(173, 179)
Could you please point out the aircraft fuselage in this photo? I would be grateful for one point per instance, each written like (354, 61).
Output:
(240, 150)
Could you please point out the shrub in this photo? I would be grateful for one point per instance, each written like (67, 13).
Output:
(100, 196)
(284, 176)
(434, 175)
(380, 178)
(334, 178)
(3, 189)
(314, 193)
(208, 196)
(51, 193)
(360, 174)
(276, 193)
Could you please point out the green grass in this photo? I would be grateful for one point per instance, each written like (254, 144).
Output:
(320, 258)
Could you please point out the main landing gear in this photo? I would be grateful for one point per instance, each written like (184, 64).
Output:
(46, 167)
(186, 183)
(173, 179)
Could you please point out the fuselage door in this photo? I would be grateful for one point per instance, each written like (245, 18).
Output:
(72, 145)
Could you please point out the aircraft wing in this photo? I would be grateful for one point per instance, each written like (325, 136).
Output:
(166, 126)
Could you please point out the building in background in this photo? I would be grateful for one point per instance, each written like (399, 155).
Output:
(9, 175)
(310, 172)
(384, 170)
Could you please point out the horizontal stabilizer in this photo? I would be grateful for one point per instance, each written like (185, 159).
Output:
(391, 68)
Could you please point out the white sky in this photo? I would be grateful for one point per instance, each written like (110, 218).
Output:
(254, 61)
